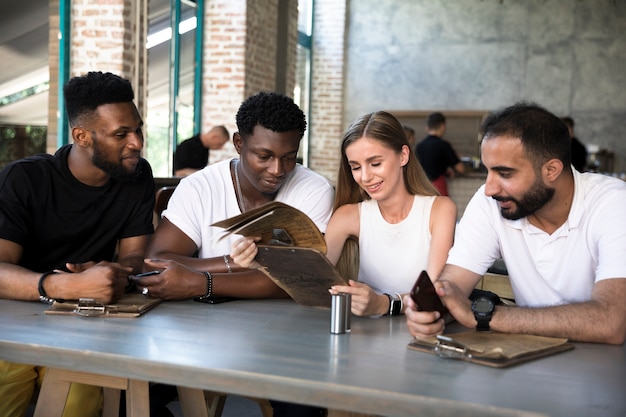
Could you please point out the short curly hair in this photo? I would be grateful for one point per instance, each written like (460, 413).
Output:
(273, 111)
(84, 94)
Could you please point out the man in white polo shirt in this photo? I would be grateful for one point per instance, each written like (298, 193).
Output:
(561, 234)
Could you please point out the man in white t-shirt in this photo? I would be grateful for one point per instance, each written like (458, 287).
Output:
(185, 248)
(561, 234)
(270, 127)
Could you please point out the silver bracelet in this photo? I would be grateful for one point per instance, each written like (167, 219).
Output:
(401, 302)
(227, 262)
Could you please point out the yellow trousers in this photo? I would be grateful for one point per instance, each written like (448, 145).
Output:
(17, 386)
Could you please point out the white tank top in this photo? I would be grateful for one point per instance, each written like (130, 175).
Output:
(392, 255)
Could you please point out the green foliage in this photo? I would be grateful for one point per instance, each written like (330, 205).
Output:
(17, 142)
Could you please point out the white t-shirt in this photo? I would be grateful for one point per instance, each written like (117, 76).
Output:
(393, 255)
(208, 196)
(545, 269)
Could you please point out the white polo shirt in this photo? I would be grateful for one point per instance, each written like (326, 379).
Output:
(545, 269)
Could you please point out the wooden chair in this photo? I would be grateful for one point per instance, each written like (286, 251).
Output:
(162, 197)
(499, 284)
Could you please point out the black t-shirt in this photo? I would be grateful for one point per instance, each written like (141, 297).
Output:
(579, 155)
(435, 155)
(191, 154)
(57, 219)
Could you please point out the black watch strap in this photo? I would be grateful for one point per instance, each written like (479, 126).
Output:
(483, 323)
(395, 305)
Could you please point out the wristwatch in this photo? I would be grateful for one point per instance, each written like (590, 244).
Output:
(483, 308)
(395, 305)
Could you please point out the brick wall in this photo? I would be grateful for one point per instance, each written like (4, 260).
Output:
(240, 58)
(53, 64)
(105, 36)
(108, 36)
(223, 67)
(327, 93)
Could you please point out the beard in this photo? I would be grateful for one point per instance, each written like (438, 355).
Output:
(114, 170)
(534, 199)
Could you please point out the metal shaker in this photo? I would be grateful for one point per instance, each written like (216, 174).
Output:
(339, 313)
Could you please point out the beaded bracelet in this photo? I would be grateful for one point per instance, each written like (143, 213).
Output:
(209, 285)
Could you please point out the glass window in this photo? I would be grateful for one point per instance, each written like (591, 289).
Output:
(159, 144)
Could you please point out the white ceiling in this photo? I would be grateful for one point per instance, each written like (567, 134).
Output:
(24, 58)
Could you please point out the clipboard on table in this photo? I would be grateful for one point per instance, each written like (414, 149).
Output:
(493, 349)
(129, 306)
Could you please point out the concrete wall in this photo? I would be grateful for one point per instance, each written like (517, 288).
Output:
(567, 55)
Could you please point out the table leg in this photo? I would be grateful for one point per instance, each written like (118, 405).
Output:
(111, 402)
(192, 402)
(137, 399)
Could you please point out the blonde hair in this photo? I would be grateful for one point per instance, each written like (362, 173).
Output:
(386, 129)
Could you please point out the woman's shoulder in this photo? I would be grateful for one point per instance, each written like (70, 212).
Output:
(444, 204)
(347, 211)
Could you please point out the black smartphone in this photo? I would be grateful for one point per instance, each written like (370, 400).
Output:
(425, 296)
(214, 300)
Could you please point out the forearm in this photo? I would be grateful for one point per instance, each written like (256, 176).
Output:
(586, 322)
(135, 262)
(17, 283)
(249, 284)
(218, 264)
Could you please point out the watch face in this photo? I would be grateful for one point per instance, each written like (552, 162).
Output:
(483, 305)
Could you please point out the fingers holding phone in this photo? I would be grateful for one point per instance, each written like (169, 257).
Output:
(425, 296)
(422, 323)
(424, 309)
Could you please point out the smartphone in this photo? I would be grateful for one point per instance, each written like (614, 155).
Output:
(214, 300)
(425, 296)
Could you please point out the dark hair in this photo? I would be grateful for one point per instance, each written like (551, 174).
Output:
(84, 94)
(544, 136)
(435, 120)
(273, 111)
(385, 128)
(568, 121)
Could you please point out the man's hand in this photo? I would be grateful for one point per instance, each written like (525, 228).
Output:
(422, 323)
(103, 281)
(458, 304)
(430, 323)
(174, 282)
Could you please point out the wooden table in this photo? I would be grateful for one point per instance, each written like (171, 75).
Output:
(277, 349)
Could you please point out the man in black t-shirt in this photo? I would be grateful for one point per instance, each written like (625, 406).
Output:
(436, 155)
(193, 154)
(579, 151)
(63, 216)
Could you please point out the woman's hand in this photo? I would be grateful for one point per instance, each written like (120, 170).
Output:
(243, 252)
(365, 301)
